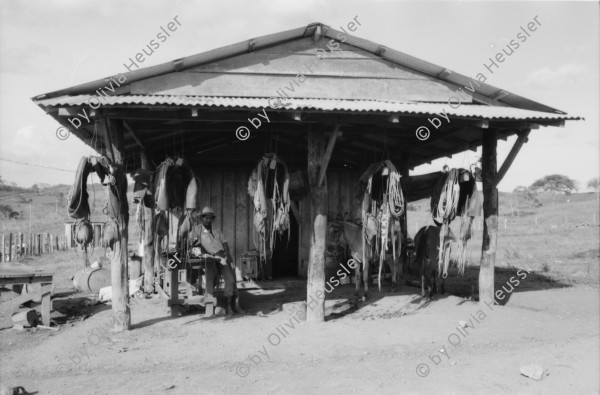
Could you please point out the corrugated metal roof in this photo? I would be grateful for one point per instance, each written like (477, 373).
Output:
(485, 92)
(464, 110)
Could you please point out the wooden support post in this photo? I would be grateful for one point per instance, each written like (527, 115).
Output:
(404, 172)
(46, 307)
(97, 235)
(10, 246)
(173, 291)
(113, 137)
(18, 253)
(318, 213)
(490, 216)
(522, 139)
(3, 250)
(210, 288)
(328, 152)
(68, 235)
(148, 236)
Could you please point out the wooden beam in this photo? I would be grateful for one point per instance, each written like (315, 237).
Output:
(317, 33)
(507, 126)
(315, 292)
(120, 288)
(148, 236)
(328, 152)
(490, 215)
(522, 139)
(139, 143)
(404, 172)
(105, 150)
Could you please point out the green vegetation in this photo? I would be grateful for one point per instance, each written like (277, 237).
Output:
(555, 183)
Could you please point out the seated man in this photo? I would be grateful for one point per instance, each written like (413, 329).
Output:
(214, 243)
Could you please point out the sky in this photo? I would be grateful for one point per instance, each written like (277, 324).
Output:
(53, 44)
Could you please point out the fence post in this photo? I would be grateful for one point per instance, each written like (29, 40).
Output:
(21, 246)
(2, 250)
(97, 233)
(10, 246)
(68, 235)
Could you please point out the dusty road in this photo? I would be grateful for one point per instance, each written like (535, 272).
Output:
(375, 349)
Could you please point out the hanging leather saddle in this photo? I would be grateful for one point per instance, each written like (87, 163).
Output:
(111, 234)
(117, 194)
(84, 233)
(77, 200)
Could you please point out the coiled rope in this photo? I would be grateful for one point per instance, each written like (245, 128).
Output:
(395, 195)
(445, 213)
(449, 196)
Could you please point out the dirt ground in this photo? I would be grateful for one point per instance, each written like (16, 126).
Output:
(375, 347)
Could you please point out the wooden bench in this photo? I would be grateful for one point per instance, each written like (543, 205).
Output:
(19, 274)
(168, 286)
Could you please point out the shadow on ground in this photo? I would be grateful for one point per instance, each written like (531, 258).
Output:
(266, 298)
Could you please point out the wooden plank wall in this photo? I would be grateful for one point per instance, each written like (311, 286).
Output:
(227, 193)
(343, 197)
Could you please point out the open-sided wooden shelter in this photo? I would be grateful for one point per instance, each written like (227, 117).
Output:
(345, 103)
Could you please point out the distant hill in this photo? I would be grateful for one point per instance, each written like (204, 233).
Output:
(48, 208)
(49, 213)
